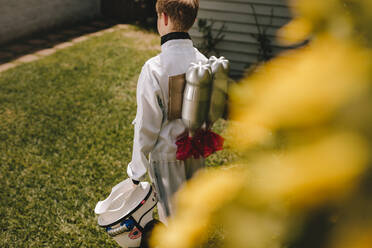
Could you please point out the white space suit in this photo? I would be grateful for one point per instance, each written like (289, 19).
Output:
(155, 136)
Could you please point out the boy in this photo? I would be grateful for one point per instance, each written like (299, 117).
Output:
(157, 127)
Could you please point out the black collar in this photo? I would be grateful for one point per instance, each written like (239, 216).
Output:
(174, 36)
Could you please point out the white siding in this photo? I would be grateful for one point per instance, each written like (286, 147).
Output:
(238, 45)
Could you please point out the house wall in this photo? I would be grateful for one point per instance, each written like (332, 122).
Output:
(238, 44)
(22, 17)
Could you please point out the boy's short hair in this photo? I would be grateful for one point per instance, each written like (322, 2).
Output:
(182, 12)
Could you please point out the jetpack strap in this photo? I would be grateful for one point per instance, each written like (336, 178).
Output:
(139, 227)
(175, 98)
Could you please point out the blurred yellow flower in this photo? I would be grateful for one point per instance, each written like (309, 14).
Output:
(254, 229)
(295, 31)
(361, 12)
(318, 16)
(314, 173)
(247, 134)
(358, 238)
(199, 200)
(314, 9)
(300, 88)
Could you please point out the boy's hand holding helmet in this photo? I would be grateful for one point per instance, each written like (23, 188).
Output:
(127, 213)
(135, 182)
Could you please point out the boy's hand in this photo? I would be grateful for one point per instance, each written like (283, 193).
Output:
(135, 182)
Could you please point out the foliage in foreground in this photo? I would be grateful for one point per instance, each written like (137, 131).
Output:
(303, 122)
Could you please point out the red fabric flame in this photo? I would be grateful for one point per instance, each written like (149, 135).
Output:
(202, 144)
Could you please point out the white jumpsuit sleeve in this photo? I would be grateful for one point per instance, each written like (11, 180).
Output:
(147, 123)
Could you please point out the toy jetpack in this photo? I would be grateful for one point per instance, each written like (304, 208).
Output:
(196, 96)
(220, 71)
(204, 102)
(127, 213)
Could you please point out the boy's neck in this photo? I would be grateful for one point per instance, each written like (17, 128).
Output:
(174, 36)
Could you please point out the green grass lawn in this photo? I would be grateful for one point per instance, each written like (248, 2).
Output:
(66, 138)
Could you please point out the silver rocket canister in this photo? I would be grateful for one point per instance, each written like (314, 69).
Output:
(220, 71)
(196, 96)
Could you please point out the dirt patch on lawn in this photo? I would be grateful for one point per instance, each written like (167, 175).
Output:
(8, 115)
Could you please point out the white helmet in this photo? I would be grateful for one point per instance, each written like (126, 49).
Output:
(127, 211)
